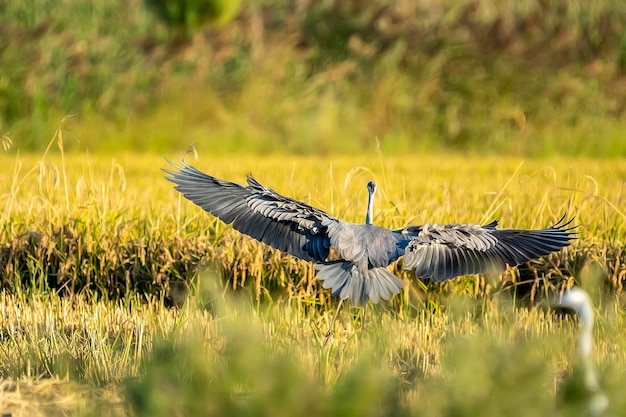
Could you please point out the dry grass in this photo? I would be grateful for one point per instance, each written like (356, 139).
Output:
(117, 226)
(29, 397)
(223, 354)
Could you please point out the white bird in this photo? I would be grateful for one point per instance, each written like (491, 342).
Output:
(583, 388)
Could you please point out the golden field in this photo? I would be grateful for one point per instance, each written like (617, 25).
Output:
(108, 274)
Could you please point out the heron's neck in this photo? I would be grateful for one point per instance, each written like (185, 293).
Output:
(369, 216)
(584, 346)
(585, 340)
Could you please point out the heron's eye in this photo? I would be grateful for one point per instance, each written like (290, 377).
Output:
(315, 230)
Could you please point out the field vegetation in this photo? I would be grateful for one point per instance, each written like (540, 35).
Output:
(118, 297)
(529, 77)
(101, 287)
(117, 227)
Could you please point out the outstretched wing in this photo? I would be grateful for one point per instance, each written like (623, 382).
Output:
(284, 223)
(446, 251)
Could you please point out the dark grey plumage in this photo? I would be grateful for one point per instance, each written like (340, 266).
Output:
(365, 250)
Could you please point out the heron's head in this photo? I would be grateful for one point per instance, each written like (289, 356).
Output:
(371, 187)
(574, 299)
(578, 300)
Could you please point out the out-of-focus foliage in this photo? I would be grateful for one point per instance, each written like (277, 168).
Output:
(190, 15)
(533, 77)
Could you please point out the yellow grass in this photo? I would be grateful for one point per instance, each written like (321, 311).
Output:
(426, 353)
(92, 217)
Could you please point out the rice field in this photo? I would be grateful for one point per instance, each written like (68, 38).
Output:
(121, 298)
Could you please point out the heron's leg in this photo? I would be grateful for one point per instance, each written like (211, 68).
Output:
(332, 322)
(364, 315)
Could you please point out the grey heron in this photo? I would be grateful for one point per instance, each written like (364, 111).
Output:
(584, 387)
(364, 250)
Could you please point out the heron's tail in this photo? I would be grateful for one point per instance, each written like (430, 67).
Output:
(346, 281)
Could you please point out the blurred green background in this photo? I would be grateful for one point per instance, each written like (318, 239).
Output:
(529, 77)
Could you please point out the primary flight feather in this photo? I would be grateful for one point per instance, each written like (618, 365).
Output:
(365, 250)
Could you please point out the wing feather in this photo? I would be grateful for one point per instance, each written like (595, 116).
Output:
(445, 251)
(284, 223)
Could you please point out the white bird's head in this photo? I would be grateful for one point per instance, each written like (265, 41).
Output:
(578, 300)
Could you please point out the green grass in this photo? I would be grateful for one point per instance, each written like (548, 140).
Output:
(533, 77)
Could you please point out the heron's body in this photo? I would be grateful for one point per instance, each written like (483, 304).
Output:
(364, 250)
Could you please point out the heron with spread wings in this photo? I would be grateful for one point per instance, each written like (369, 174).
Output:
(440, 252)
